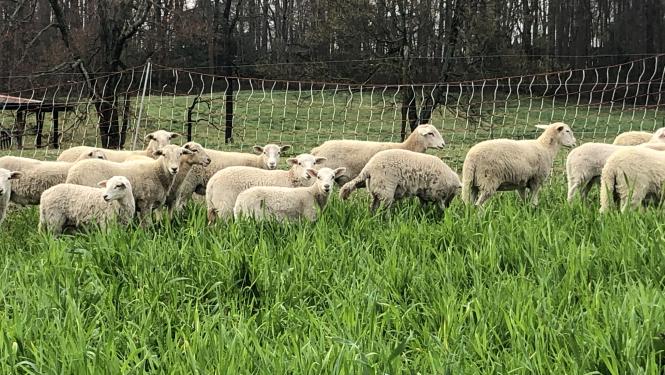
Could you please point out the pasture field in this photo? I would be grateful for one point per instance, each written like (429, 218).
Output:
(557, 289)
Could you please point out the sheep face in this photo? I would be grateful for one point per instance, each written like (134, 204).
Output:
(171, 156)
(561, 132)
(116, 188)
(270, 154)
(93, 154)
(159, 139)
(198, 156)
(301, 163)
(5, 180)
(325, 177)
(430, 136)
(658, 135)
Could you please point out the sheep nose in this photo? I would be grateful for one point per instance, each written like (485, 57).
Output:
(272, 165)
(326, 187)
(106, 197)
(174, 170)
(2, 191)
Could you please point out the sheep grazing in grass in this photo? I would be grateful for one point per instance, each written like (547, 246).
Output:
(151, 180)
(157, 140)
(584, 164)
(353, 155)
(6, 177)
(266, 157)
(505, 164)
(224, 187)
(39, 175)
(71, 206)
(630, 176)
(285, 203)
(632, 138)
(395, 174)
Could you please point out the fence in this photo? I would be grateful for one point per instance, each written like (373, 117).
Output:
(598, 102)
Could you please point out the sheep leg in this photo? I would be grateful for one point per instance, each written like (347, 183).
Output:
(534, 194)
(573, 185)
(635, 202)
(484, 196)
(522, 193)
(586, 188)
(375, 203)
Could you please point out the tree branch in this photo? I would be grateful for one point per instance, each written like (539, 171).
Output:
(136, 25)
(34, 40)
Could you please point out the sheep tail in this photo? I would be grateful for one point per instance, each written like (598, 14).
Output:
(352, 185)
(468, 177)
(608, 182)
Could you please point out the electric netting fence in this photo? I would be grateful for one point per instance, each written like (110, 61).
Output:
(235, 113)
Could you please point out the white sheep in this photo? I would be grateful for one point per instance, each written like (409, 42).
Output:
(630, 176)
(224, 187)
(584, 164)
(266, 157)
(39, 175)
(285, 203)
(72, 206)
(353, 155)
(632, 138)
(505, 164)
(395, 174)
(198, 157)
(157, 140)
(151, 180)
(6, 177)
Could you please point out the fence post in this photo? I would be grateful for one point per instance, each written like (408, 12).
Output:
(146, 75)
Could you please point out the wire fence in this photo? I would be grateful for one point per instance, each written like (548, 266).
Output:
(237, 112)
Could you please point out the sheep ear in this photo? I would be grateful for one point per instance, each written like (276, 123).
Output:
(312, 172)
(284, 148)
(339, 171)
(149, 137)
(102, 183)
(15, 175)
(158, 153)
(91, 153)
(559, 128)
(174, 135)
(186, 151)
(319, 159)
(258, 149)
(423, 130)
(291, 161)
(539, 126)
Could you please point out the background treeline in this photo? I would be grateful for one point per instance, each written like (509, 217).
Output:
(389, 41)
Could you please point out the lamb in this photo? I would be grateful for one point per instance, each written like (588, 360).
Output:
(266, 157)
(6, 177)
(395, 174)
(224, 187)
(504, 164)
(198, 157)
(285, 203)
(69, 205)
(151, 180)
(157, 140)
(355, 154)
(39, 175)
(630, 175)
(632, 138)
(584, 164)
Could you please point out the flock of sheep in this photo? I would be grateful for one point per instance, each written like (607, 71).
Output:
(92, 185)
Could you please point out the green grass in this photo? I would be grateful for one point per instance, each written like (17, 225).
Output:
(511, 289)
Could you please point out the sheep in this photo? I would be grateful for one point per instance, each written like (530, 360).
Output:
(266, 157)
(69, 205)
(504, 164)
(6, 177)
(157, 140)
(39, 175)
(151, 180)
(198, 157)
(632, 138)
(630, 176)
(286, 203)
(395, 174)
(224, 187)
(584, 164)
(355, 154)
